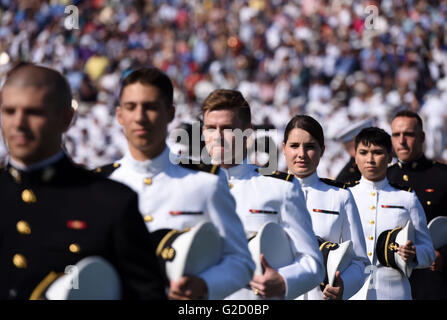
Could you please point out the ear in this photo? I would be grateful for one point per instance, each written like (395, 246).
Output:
(283, 147)
(390, 157)
(67, 115)
(322, 151)
(422, 136)
(119, 115)
(171, 113)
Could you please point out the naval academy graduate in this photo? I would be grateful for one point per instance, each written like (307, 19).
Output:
(55, 213)
(332, 208)
(428, 179)
(384, 207)
(177, 196)
(275, 197)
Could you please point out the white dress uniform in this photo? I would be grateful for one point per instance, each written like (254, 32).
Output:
(261, 199)
(174, 197)
(383, 207)
(335, 218)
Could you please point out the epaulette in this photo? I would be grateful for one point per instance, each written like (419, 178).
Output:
(210, 168)
(279, 175)
(107, 169)
(333, 183)
(351, 184)
(400, 187)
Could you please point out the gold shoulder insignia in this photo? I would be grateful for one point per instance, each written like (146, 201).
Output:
(210, 168)
(400, 187)
(280, 175)
(107, 169)
(333, 183)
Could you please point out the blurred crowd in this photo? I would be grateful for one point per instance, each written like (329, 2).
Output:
(340, 61)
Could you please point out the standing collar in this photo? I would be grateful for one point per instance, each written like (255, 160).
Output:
(239, 170)
(150, 166)
(39, 165)
(412, 164)
(310, 180)
(375, 185)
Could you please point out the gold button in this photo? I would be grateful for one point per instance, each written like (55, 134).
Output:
(405, 177)
(372, 207)
(74, 248)
(428, 203)
(373, 193)
(230, 185)
(148, 218)
(19, 261)
(23, 227)
(116, 165)
(370, 254)
(98, 170)
(148, 181)
(28, 196)
(370, 237)
(371, 221)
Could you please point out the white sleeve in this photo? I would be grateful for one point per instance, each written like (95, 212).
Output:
(354, 275)
(236, 267)
(308, 270)
(425, 253)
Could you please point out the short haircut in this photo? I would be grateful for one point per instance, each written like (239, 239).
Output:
(31, 75)
(375, 136)
(409, 114)
(306, 123)
(224, 99)
(154, 77)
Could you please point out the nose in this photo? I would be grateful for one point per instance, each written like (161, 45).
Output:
(300, 152)
(20, 119)
(140, 115)
(402, 139)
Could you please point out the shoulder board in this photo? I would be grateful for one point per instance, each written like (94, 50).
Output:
(400, 187)
(210, 168)
(107, 169)
(351, 184)
(333, 183)
(280, 175)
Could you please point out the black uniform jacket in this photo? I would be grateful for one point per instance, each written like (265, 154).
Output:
(349, 174)
(58, 215)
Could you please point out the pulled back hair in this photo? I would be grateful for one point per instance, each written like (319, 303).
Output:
(224, 99)
(375, 136)
(308, 124)
(154, 77)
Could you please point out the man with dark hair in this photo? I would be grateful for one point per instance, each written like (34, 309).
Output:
(275, 197)
(384, 207)
(428, 179)
(174, 196)
(55, 213)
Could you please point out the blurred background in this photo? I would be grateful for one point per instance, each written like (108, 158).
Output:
(333, 60)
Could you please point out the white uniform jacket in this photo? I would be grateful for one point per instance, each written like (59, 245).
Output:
(383, 207)
(174, 197)
(260, 199)
(335, 218)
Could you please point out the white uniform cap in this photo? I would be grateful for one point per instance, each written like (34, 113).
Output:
(351, 131)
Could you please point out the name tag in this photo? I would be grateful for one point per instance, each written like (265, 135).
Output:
(262, 211)
(178, 213)
(325, 211)
(392, 207)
